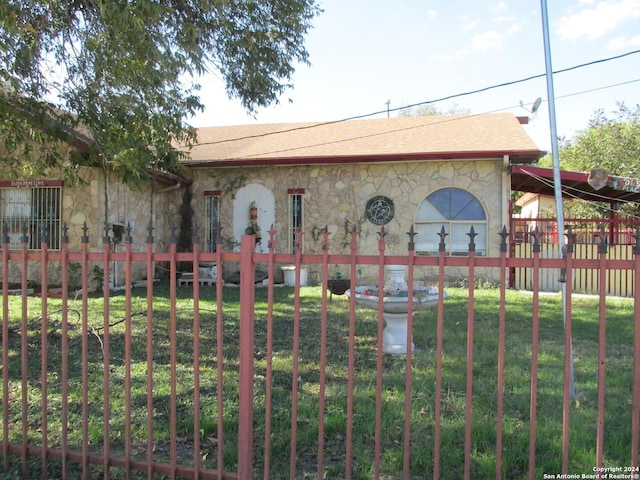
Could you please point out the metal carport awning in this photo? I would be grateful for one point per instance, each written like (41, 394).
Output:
(575, 185)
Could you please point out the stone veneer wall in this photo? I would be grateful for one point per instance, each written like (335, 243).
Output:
(336, 195)
(84, 204)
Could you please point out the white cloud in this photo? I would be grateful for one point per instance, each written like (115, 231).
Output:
(504, 19)
(487, 40)
(620, 43)
(492, 39)
(501, 6)
(471, 25)
(597, 21)
(432, 14)
(447, 57)
(515, 28)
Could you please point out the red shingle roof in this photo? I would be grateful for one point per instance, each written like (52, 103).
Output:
(399, 139)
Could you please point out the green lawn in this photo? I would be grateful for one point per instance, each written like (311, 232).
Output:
(517, 383)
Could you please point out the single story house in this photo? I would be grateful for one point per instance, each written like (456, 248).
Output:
(429, 172)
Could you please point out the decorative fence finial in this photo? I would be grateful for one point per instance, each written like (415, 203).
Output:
(105, 238)
(411, 233)
(354, 234)
(272, 235)
(442, 246)
(85, 234)
(218, 233)
(44, 233)
(298, 240)
(536, 240)
(65, 233)
(472, 239)
(25, 233)
(603, 246)
(172, 235)
(325, 238)
(382, 233)
(128, 238)
(571, 239)
(196, 233)
(150, 233)
(504, 234)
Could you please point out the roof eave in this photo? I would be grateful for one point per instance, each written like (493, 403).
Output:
(515, 157)
(168, 178)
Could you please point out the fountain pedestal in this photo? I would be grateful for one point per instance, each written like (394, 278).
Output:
(394, 335)
(395, 307)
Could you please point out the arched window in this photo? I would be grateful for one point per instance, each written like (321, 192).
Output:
(457, 211)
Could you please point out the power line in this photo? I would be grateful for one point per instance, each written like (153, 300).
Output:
(427, 102)
(599, 88)
(567, 191)
(444, 119)
(514, 82)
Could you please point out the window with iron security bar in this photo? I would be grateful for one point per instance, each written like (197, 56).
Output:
(212, 218)
(295, 215)
(32, 209)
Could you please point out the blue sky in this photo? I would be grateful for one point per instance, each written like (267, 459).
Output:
(365, 52)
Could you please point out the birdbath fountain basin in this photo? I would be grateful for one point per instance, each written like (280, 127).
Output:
(395, 306)
(423, 297)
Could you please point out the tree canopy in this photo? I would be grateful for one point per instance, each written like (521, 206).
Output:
(124, 74)
(611, 142)
(429, 109)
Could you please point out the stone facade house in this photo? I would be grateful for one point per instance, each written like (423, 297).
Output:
(438, 170)
(421, 171)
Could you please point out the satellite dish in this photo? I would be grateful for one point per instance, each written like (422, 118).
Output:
(536, 105)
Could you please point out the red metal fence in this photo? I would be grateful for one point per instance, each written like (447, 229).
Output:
(196, 393)
(616, 230)
(587, 235)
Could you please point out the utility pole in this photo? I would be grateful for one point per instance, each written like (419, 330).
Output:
(557, 181)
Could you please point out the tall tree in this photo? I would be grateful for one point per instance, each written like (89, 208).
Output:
(611, 142)
(123, 74)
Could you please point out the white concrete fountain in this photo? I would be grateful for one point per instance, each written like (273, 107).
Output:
(395, 306)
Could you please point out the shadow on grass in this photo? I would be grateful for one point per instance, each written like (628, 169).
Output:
(454, 383)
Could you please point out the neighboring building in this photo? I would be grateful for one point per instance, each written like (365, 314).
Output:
(534, 205)
(537, 208)
(436, 170)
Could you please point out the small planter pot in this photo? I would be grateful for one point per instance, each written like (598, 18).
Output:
(338, 286)
(289, 272)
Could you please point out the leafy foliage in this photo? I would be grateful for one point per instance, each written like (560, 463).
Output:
(123, 74)
(611, 142)
(430, 110)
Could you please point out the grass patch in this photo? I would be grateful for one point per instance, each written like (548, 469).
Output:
(619, 377)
